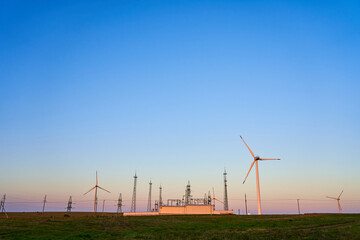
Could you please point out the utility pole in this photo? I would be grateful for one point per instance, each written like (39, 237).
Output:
(298, 206)
(69, 206)
(149, 198)
(246, 205)
(226, 203)
(119, 205)
(2, 206)
(103, 207)
(133, 201)
(43, 209)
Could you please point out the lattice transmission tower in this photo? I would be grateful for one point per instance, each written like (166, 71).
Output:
(69, 205)
(160, 196)
(2, 206)
(149, 198)
(226, 202)
(119, 204)
(187, 194)
(133, 201)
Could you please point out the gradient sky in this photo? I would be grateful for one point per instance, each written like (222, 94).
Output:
(165, 88)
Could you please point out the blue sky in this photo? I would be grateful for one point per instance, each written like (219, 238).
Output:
(166, 88)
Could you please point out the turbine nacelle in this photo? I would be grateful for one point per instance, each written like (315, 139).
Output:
(257, 158)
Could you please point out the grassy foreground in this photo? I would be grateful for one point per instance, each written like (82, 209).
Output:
(87, 226)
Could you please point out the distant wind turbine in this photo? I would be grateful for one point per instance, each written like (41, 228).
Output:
(338, 200)
(256, 159)
(96, 187)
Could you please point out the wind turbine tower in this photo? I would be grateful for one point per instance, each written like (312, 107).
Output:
(338, 200)
(246, 205)
(298, 204)
(119, 205)
(133, 201)
(96, 189)
(149, 198)
(256, 159)
(226, 202)
(69, 206)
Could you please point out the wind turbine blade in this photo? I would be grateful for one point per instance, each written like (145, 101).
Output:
(264, 159)
(104, 189)
(331, 197)
(89, 190)
(249, 171)
(247, 147)
(96, 178)
(341, 193)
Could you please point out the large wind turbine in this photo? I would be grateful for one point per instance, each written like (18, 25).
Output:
(256, 159)
(338, 200)
(96, 187)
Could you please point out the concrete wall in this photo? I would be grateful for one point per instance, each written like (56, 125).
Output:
(181, 210)
(141, 213)
(171, 210)
(198, 209)
(191, 209)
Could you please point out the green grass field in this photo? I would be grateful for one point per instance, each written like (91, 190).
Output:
(87, 226)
